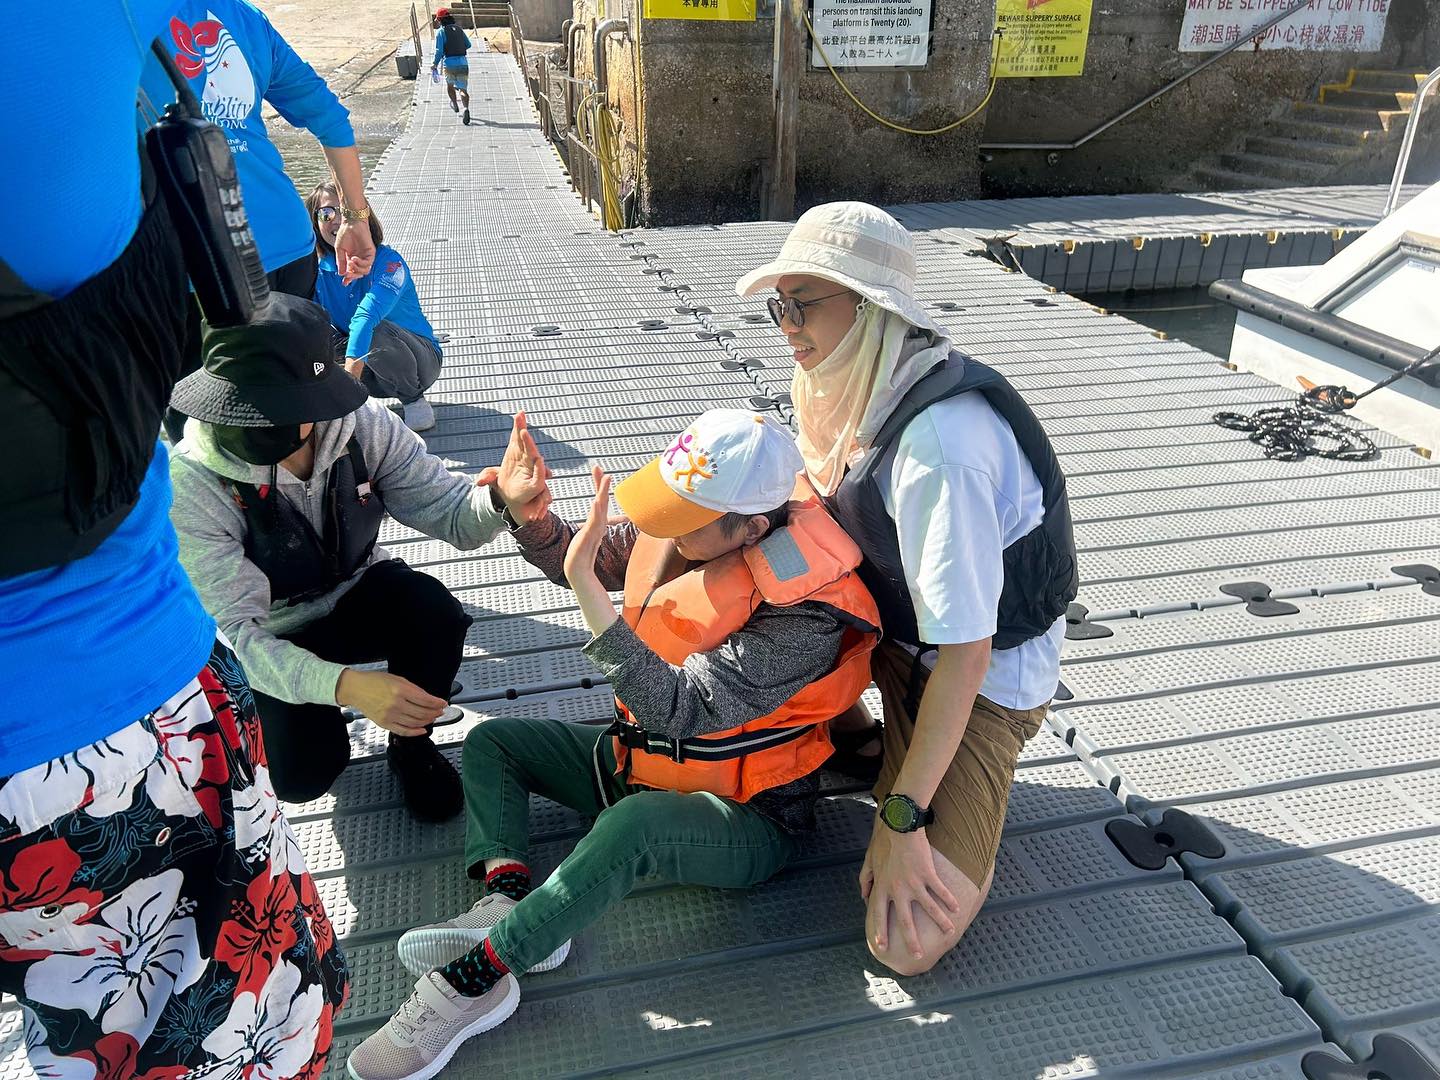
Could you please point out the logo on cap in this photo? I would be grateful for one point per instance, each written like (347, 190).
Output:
(698, 464)
(319, 367)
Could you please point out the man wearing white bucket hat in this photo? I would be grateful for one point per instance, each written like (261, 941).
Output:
(946, 480)
(744, 630)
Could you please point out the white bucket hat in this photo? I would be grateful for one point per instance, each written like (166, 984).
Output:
(855, 245)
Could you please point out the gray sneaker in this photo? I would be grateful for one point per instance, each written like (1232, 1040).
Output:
(419, 1040)
(428, 947)
(419, 416)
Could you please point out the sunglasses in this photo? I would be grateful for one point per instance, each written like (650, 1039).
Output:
(787, 307)
(327, 214)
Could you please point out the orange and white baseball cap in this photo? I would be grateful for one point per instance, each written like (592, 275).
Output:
(727, 461)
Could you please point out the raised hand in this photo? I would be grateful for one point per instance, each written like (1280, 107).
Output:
(522, 475)
(595, 603)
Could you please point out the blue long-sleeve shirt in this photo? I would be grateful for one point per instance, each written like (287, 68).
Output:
(450, 61)
(234, 58)
(91, 646)
(387, 292)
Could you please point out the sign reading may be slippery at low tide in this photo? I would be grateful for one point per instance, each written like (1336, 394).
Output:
(1348, 25)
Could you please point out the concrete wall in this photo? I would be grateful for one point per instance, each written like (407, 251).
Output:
(1132, 51)
(541, 19)
(703, 116)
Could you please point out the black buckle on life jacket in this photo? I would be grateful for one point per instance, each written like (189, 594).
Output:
(630, 735)
(634, 737)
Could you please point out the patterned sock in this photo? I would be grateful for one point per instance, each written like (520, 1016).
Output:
(476, 972)
(511, 878)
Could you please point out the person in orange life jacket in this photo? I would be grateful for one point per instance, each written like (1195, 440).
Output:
(285, 473)
(950, 487)
(744, 628)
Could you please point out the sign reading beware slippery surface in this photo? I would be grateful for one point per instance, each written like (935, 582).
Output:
(1041, 38)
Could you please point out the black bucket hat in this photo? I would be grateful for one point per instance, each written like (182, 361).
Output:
(275, 370)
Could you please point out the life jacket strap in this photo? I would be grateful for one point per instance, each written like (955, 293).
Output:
(701, 748)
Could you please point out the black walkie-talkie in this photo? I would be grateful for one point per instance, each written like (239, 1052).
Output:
(198, 181)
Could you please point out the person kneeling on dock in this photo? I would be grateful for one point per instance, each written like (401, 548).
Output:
(284, 476)
(745, 627)
(949, 484)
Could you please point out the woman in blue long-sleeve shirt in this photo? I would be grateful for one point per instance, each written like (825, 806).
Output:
(382, 336)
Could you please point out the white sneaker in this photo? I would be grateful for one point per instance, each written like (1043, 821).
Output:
(428, 947)
(419, 416)
(419, 1040)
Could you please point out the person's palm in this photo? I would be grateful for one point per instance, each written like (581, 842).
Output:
(522, 476)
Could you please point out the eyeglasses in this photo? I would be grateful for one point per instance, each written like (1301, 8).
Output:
(327, 214)
(787, 307)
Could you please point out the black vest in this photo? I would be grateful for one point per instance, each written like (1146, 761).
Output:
(84, 381)
(1041, 575)
(280, 540)
(454, 39)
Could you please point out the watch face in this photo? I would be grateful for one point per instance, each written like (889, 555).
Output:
(898, 814)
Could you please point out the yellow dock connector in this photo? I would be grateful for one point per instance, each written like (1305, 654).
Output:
(1069, 246)
(1423, 451)
(1161, 335)
(1336, 234)
(1099, 310)
(1051, 289)
(1205, 239)
(1137, 242)
(1272, 235)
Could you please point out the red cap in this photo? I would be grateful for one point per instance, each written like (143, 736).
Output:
(442, 12)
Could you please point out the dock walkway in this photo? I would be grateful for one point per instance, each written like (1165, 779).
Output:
(1307, 742)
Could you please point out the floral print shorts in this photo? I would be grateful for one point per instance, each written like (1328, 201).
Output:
(156, 917)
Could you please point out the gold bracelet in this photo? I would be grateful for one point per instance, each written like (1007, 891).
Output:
(363, 214)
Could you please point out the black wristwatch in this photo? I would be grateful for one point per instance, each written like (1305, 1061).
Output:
(903, 814)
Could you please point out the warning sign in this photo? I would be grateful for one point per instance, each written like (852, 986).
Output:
(712, 10)
(1040, 38)
(867, 34)
(1351, 25)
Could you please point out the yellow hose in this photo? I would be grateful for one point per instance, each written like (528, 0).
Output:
(890, 123)
(597, 126)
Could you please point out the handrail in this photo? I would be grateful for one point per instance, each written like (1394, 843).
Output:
(1250, 36)
(1408, 142)
(415, 37)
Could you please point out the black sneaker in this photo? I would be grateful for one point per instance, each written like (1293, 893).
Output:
(465, 116)
(428, 781)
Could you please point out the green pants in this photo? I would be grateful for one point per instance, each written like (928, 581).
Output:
(692, 839)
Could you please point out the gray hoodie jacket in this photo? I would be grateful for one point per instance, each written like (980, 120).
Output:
(418, 491)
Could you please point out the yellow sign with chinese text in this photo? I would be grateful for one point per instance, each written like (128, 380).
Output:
(1041, 38)
(711, 10)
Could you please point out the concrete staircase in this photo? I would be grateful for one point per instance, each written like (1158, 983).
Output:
(1351, 135)
(479, 13)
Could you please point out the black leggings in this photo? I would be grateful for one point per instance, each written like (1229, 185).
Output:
(393, 613)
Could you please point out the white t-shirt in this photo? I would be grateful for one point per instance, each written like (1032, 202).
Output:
(960, 490)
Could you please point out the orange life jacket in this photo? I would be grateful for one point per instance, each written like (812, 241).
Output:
(677, 612)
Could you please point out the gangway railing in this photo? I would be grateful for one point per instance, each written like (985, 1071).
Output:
(1408, 143)
(415, 36)
(1250, 36)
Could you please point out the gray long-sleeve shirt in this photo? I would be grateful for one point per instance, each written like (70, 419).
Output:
(749, 675)
(417, 489)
